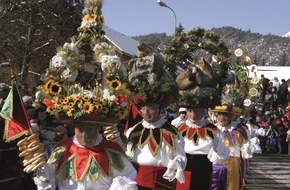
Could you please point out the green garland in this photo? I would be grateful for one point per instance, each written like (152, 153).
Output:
(182, 47)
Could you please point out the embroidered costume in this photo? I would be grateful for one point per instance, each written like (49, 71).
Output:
(72, 166)
(203, 145)
(236, 139)
(156, 149)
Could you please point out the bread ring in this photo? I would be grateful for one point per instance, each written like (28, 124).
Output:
(22, 148)
(24, 153)
(33, 136)
(32, 159)
(27, 169)
(36, 153)
(39, 146)
(40, 159)
(33, 143)
(22, 142)
(39, 165)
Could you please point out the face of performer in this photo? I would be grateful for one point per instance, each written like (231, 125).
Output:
(195, 114)
(224, 118)
(86, 134)
(150, 112)
(182, 115)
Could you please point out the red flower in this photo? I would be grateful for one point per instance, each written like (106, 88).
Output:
(49, 104)
(121, 98)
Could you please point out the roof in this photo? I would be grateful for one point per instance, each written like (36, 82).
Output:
(281, 72)
(124, 43)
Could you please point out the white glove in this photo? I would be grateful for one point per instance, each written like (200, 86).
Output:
(123, 183)
(175, 171)
(171, 171)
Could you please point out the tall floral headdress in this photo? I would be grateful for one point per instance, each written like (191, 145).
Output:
(85, 80)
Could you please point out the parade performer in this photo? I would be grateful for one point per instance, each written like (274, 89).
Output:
(227, 120)
(78, 97)
(203, 140)
(197, 60)
(154, 145)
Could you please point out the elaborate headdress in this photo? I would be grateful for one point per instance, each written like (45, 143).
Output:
(236, 88)
(85, 80)
(198, 61)
(149, 81)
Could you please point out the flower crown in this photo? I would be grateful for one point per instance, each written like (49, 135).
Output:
(85, 79)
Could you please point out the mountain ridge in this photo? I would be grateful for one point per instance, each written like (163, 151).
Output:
(264, 50)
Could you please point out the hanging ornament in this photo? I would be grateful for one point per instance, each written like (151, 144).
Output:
(239, 52)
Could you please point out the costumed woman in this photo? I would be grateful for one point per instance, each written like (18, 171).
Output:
(203, 140)
(154, 145)
(196, 59)
(235, 133)
(86, 103)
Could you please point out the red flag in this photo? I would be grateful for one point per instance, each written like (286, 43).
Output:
(134, 117)
(15, 115)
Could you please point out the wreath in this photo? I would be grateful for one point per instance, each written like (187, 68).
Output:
(185, 47)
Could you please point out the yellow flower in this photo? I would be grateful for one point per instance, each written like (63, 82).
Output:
(105, 110)
(69, 112)
(104, 102)
(89, 17)
(47, 85)
(96, 101)
(55, 88)
(88, 107)
(98, 107)
(71, 104)
(115, 84)
(65, 100)
(86, 98)
(122, 114)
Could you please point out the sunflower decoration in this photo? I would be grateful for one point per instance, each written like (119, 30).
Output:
(86, 80)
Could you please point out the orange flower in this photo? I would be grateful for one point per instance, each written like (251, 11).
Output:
(49, 104)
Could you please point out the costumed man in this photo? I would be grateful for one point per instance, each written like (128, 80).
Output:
(87, 161)
(74, 93)
(198, 61)
(203, 140)
(235, 136)
(154, 145)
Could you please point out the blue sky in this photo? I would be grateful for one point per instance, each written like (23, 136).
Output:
(141, 17)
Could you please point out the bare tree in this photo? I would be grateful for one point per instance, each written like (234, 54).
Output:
(31, 30)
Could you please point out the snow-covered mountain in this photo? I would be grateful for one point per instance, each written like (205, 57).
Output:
(287, 35)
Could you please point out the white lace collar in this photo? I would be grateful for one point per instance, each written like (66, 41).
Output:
(154, 125)
(98, 141)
